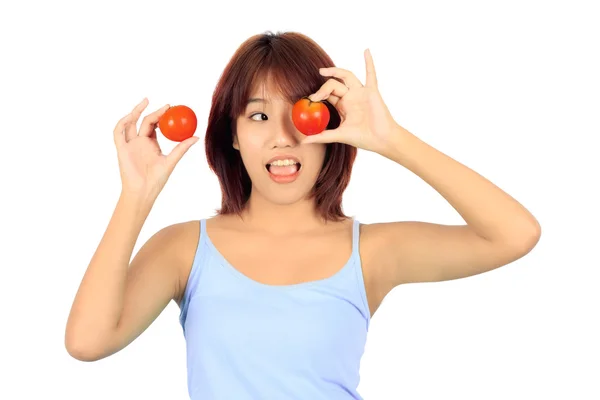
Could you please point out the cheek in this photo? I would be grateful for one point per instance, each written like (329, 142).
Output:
(251, 146)
(318, 154)
(250, 137)
(254, 140)
(314, 158)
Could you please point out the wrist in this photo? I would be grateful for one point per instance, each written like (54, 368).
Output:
(138, 200)
(402, 145)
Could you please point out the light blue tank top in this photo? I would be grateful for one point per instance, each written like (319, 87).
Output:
(249, 340)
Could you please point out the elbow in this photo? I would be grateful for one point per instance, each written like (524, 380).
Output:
(533, 236)
(81, 352)
(520, 241)
(527, 239)
(83, 349)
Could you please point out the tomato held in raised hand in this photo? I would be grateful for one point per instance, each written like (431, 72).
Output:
(178, 123)
(310, 117)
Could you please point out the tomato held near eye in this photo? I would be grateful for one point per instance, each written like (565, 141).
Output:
(310, 117)
(178, 123)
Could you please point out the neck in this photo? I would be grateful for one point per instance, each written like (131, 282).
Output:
(277, 218)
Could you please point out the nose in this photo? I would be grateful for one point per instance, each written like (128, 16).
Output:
(284, 133)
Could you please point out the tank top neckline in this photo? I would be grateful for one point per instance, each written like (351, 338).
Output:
(354, 256)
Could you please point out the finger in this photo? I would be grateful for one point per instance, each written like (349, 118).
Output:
(151, 120)
(333, 99)
(118, 132)
(177, 153)
(331, 87)
(371, 75)
(131, 127)
(348, 77)
(327, 136)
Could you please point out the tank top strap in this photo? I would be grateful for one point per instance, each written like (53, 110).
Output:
(357, 266)
(202, 229)
(355, 237)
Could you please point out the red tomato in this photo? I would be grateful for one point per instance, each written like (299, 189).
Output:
(178, 123)
(310, 117)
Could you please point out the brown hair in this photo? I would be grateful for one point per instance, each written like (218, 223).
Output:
(292, 61)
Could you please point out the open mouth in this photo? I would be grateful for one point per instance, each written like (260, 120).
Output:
(284, 171)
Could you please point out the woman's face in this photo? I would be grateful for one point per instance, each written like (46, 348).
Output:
(264, 133)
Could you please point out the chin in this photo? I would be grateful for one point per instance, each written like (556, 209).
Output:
(282, 195)
(284, 192)
(288, 199)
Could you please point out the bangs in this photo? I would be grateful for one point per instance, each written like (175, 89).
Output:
(290, 70)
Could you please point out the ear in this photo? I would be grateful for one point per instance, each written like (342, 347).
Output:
(236, 145)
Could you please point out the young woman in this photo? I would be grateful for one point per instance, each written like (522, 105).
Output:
(277, 290)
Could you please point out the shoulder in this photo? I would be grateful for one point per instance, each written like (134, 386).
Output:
(176, 246)
(387, 246)
(372, 245)
(381, 235)
(380, 245)
(375, 237)
(173, 239)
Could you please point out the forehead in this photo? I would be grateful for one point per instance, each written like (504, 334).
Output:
(266, 92)
(276, 83)
(265, 87)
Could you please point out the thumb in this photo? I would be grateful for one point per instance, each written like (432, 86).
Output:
(327, 136)
(177, 153)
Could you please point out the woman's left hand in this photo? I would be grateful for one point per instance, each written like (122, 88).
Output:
(366, 122)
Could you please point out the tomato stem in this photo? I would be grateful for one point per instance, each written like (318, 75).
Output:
(309, 100)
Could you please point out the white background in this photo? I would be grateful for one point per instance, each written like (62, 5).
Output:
(509, 88)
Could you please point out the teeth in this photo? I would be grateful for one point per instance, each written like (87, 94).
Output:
(281, 163)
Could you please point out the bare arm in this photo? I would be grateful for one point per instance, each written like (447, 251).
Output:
(117, 301)
(95, 328)
(498, 229)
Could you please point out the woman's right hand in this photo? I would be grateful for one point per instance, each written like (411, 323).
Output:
(144, 168)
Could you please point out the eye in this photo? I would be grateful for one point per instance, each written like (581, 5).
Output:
(262, 116)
